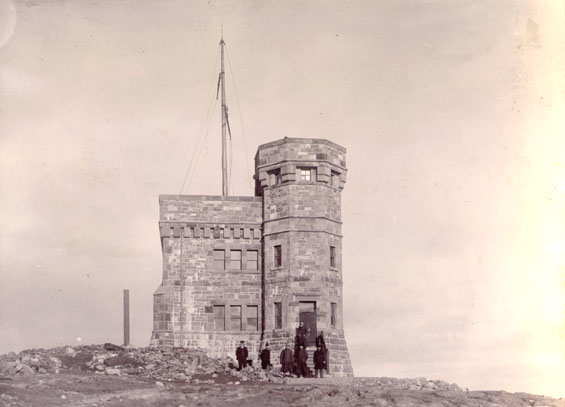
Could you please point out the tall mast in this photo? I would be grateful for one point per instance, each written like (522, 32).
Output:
(224, 123)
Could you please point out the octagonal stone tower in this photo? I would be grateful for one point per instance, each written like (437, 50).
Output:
(301, 182)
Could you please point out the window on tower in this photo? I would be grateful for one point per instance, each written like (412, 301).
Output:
(274, 177)
(332, 257)
(335, 179)
(307, 174)
(333, 318)
(278, 256)
(278, 315)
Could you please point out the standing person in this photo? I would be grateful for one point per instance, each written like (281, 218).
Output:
(265, 357)
(301, 334)
(241, 354)
(286, 360)
(302, 358)
(321, 341)
(319, 361)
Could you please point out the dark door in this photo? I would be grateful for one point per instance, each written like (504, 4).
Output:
(308, 316)
(309, 319)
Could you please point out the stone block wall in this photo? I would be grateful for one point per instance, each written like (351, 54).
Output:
(338, 357)
(313, 200)
(220, 281)
(303, 217)
(195, 284)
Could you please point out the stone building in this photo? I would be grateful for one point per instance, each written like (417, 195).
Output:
(251, 268)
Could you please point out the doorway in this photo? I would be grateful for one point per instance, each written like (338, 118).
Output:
(307, 310)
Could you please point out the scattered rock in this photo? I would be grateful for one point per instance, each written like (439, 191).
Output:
(172, 364)
(112, 371)
(121, 361)
(113, 348)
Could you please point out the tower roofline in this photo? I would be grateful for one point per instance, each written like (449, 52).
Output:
(303, 141)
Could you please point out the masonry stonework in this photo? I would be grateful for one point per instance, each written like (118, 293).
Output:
(251, 268)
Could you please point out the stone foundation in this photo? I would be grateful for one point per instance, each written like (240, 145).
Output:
(217, 345)
(339, 361)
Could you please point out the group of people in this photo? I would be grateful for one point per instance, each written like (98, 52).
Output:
(291, 362)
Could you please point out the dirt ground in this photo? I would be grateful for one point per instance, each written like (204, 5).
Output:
(91, 389)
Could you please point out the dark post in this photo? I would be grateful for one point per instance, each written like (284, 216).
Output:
(126, 317)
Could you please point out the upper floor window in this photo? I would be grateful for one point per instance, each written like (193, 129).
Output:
(278, 256)
(220, 259)
(274, 177)
(252, 260)
(335, 179)
(305, 173)
(333, 314)
(332, 257)
(235, 260)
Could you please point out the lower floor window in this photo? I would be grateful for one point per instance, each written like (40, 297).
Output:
(278, 315)
(235, 318)
(219, 318)
(252, 317)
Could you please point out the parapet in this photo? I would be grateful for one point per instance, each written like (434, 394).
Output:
(210, 209)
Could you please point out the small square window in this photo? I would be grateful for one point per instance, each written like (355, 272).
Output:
(278, 256)
(252, 260)
(306, 174)
(220, 259)
(235, 260)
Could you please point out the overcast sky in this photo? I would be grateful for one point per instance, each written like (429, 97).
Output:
(452, 113)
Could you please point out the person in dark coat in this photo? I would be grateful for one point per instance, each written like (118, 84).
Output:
(241, 354)
(321, 342)
(265, 357)
(301, 359)
(319, 361)
(301, 335)
(300, 340)
(286, 360)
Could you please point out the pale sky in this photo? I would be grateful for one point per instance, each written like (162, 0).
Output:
(452, 113)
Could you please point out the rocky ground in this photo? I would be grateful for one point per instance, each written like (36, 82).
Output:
(113, 376)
